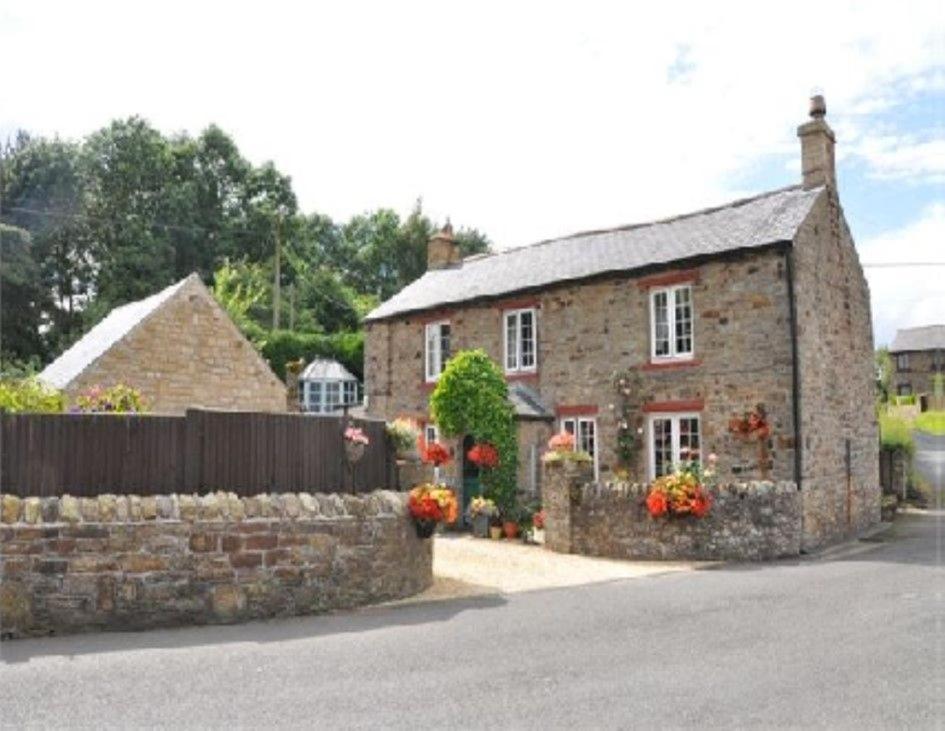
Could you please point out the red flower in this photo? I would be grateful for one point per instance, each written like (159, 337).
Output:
(700, 503)
(484, 455)
(425, 508)
(657, 503)
(435, 453)
(538, 519)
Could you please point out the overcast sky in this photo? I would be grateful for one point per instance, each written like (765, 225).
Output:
(525, 120)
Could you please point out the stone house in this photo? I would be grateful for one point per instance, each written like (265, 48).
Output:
(918, 354)
(179, 348)
(657, 336)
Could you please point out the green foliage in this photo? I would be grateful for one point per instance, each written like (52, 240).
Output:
(282, 346)
(555, 456)
(931, 422)
(241, 289)
(884, 369)
(27, 395)
(904, 400)
(117, 399)
(471, 398)
(895, 433)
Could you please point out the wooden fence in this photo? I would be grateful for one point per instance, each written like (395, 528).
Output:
(245, 453)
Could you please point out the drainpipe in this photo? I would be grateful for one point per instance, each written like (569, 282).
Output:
(795, 369)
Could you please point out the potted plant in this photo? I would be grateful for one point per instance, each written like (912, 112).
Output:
(510, 520)
(561, 451)
(495, 526)
(481, 511)
(431, 504)
(403, 434)
(538, 526)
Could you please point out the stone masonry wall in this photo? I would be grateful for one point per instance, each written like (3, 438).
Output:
(840, 456)
(118, 563)
(188, 354)
(748, 521)
(587, 331)
(920, 373)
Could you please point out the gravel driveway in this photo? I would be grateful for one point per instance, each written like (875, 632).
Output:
(467, 566)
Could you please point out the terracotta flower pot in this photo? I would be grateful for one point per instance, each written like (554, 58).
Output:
(495, 532)
(510, 528)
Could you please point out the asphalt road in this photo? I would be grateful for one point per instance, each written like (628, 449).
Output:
(853, 639)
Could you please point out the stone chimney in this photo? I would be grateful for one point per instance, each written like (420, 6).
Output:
(442, 249)
(817, 141)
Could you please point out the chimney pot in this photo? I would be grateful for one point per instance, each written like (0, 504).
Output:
(818, 107)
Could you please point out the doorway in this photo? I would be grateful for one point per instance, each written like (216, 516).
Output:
(471, 485)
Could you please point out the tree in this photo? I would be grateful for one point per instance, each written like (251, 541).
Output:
(884, 369)
(23, 299)
(471, 398)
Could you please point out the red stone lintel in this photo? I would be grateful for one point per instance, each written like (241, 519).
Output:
(666, 279)
(528, 376)
(428, 318)
(427, 385)
(521, 303)
(671, 407)
(577, 410)
(669, 365)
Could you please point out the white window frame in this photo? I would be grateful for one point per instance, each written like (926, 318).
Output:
(432, 374)
(576, 422)
(349, 387)
(902, 361)
(517, 315)
(670, 293)
(314, 406)
(674, 417)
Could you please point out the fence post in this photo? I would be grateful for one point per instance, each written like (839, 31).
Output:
(193, 450)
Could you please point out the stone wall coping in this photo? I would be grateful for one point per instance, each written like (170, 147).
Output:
(218, 506)
(635, 489)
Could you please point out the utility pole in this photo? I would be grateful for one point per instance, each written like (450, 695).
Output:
(277, 276)
(292, 306)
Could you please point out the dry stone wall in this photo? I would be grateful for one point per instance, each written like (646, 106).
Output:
(127, 562)
(749, 521)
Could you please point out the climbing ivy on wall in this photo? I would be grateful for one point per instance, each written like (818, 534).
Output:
(472, 397)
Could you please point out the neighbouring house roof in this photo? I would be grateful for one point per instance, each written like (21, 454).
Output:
(97, 341)
(929, 337)
(745, 224)
(527, 403)
(324, 369)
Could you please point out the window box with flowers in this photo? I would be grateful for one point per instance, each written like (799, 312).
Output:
(561, 452)
(683, 492)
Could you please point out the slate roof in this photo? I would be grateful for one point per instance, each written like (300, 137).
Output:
(929, 337)
(527, 403)
(97, 341)
(325, 369)
(745, 224)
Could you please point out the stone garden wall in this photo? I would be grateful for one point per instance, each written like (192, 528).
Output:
(118, 563)
(748, 521)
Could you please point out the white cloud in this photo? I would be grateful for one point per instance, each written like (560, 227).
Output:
(907, 296)
(905, 158)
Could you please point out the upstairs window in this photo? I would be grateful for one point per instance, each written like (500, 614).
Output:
(671, 322)
(437, 349)
(902, 362)
(938, 360)
(521, 341)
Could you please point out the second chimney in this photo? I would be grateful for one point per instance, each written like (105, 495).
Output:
(817, 142)
(442, 249)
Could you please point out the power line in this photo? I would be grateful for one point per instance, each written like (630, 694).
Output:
(891, 264)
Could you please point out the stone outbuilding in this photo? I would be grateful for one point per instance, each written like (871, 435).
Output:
(655, 341)
(179, 348)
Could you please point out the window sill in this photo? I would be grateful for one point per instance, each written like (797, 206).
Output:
(669, 365)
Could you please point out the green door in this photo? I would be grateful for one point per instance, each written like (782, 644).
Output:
(471, 486)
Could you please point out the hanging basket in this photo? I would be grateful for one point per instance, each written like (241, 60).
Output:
(354, 451)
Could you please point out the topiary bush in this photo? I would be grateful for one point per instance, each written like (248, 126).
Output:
(472, 398)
